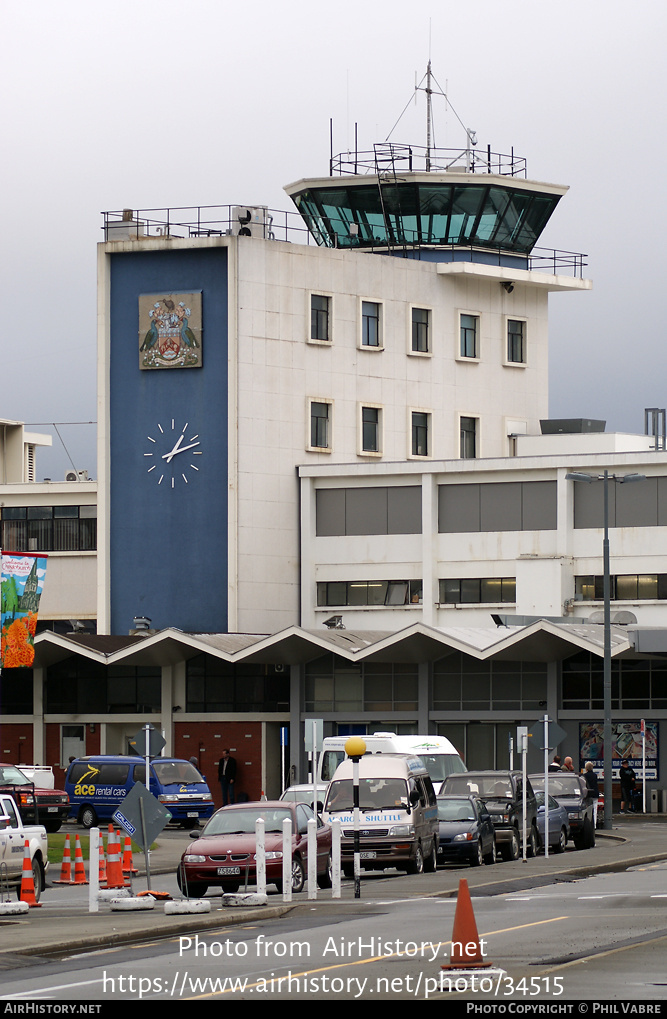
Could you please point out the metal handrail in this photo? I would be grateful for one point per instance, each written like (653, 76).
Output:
(417, 158)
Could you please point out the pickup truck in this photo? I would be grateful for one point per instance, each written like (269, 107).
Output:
(13, 834)
(37, 804)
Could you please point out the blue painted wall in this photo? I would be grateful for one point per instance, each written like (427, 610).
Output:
(168, 546)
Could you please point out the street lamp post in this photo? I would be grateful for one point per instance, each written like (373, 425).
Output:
(606, 596)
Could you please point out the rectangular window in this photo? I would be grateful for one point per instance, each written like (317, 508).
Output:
(370, 429)
(516, 341)
(48, 528)
(320, 418)
(370, 324)
(468, 438)
(420, 434)
(476, 591)
(320, 308)
(625, 587)
(369, 592)
(469, 336)
(421, 320)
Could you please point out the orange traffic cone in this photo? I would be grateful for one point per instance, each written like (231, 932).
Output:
(79, 869)
(66, 867)
(466, 949)
(27, 893)
(128, 864)
(103, 866)
(115, 877)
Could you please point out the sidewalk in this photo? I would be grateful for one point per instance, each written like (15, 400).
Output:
(58, 927)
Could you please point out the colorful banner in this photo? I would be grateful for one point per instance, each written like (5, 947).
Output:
(626, 745)
(22, 583)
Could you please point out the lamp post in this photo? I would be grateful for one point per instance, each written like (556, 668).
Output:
(606, 477)
(355, 748)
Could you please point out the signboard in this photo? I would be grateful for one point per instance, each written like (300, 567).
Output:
(129, 815)
(555, 734)
(626, 746)
(156, 742)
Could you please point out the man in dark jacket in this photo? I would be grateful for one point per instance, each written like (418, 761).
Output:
(227, 777)
(628, 779)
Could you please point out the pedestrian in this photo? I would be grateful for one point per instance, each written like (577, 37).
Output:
(593, 787)
(227, 777)
(555, 764)
(628, 779)
(567, 765)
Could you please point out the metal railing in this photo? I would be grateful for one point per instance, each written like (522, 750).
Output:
(205, 221)
(417, 158)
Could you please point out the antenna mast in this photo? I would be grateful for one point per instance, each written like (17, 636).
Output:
(429, 115)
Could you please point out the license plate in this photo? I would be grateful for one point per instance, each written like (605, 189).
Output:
(367, 856)
(229, 871)
(193, 813)
(52, 810)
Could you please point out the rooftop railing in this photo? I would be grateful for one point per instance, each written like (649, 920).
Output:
(390, 157)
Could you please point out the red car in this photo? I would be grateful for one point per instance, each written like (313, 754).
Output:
(37, 805)
(223, 854)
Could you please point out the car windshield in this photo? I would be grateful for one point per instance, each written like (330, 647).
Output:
(439, 766)
(242, 822)
(488, 787)
(176, 773)
(455, 810)
(9, 775)
(559, 785)
(374, 794)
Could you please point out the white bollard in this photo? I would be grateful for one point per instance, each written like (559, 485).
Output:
(260, 856)
(287, 860)
(335, 857)
(311, 837)
(94, 870)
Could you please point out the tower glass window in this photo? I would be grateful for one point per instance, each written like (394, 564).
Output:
(420, 434)
(319, 425)
(421, 330)
(370, 429)
(320, 308)
(469, 336)
(516, 341)
(468, 438)
(370, 324)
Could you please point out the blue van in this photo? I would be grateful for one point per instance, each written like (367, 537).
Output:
(98, 785)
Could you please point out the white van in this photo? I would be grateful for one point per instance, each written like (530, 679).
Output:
(397, 810)
(440, 757)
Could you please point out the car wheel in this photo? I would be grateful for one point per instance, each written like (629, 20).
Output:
(326, 880)
(190, 889)
(510, 850)
(559, 847)
(416, 865)
(590, 841)
(298, 875)
(492, 857)
(431, 861)
(531, 847)
(348, 870)
(87, 816)
(478, 858)
(231, 886)
(52, 826)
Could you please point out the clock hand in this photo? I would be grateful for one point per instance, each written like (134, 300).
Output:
(178, 449)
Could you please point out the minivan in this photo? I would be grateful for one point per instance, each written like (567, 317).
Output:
(98, 785)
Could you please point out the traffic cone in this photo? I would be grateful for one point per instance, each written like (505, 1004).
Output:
(66, 867)
(466, 949)
(79, 869)
(103, 866)
(115, 877)
(128, 865)
(27, 893)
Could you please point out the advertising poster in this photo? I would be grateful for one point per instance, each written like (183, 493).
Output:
(21, 585)
(626, 746)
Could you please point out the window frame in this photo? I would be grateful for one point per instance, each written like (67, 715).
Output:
(512, 362)
(326, 342)
(426, 425)
(412, 350)
(362, 344)
(362, 451)
(475, 418)
(460, 355)
(319, 401)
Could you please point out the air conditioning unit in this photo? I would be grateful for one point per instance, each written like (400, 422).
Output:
(76, 476)
(251, 221)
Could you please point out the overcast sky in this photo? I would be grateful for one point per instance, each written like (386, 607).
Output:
(154, 103)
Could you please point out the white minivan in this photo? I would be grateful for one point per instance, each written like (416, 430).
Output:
(397, 810)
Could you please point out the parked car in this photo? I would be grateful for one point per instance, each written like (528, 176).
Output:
(572, 793)
(46, 806)
(304, 794)
(502, 792)
(559, 824)
(466, 831)
(224, 853)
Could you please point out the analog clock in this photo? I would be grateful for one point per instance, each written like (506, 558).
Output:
(171, 458)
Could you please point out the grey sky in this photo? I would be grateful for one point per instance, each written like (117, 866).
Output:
(160, 103)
